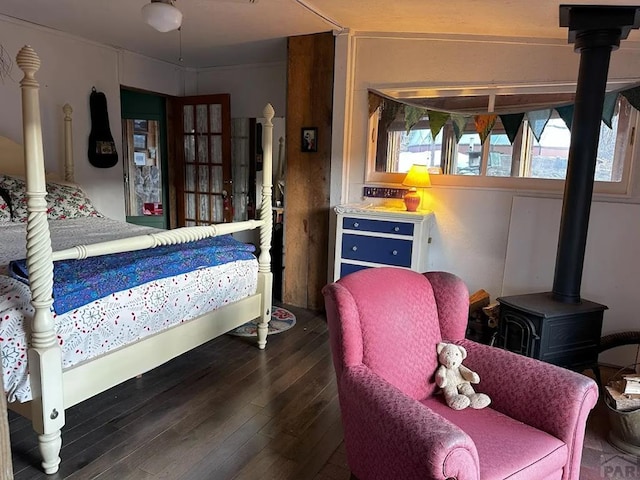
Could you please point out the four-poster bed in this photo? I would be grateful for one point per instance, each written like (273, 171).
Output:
(53, 386)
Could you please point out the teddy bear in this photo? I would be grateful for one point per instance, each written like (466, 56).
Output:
(455, 379)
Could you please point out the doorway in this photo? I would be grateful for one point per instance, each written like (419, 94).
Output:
(145, 159)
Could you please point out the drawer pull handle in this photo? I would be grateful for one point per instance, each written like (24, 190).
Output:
(354, 248)
(396, 229)
(395, 252)
(356, 225)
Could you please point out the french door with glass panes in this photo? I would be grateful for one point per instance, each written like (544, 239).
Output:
(203, 153)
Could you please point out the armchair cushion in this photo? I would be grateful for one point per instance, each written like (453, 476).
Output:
(506, 447)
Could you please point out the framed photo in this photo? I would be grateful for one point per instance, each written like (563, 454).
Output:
(139, 158)
(139, 141)
(309, 139)
(140, 126)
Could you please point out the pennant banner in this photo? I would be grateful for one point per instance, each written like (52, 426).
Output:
(566, 114)
(609, 107)
(633, 97)
(412, 115)
(484, 124)
(374, 102)
(537, 121)
(459, 122)
(511, 124)
(437, 121)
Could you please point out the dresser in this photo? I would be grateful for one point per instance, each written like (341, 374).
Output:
(369, 236)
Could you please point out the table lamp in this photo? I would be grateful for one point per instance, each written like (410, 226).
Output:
(417, 177)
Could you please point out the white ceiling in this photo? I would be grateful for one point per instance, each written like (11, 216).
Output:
(228, 32)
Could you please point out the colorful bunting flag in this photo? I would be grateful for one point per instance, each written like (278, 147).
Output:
(459, 122)
(484, 124)
(437, 121)
(566, 114)
(609, 107)
(412, 115)
(374, 102)
(633, 97)
(537, 121)
(511, 123)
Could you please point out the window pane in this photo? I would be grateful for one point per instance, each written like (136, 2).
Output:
(417, 146)
(468, 155)
(201, 114)
(215, 110)
(187, 113)
(549, 156)
(500, 152)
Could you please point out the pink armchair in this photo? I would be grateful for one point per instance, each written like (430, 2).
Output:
(384, 324)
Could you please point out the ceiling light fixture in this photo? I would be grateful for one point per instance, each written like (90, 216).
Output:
(162, 15)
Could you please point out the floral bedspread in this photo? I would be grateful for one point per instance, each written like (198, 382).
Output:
(78, 282)
(115, 320)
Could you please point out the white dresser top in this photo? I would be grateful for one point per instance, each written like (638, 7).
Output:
(381, 211)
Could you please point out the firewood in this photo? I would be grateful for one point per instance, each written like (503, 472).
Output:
(620, 401)
(478, 300)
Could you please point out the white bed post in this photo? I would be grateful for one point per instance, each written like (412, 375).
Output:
(68, 144)
(265, 277)
(45, 361)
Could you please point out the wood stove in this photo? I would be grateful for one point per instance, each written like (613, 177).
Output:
(558, 326)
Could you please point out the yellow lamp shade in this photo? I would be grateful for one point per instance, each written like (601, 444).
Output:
(418, 176)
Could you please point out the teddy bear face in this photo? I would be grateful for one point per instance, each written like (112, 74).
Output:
(451, 356)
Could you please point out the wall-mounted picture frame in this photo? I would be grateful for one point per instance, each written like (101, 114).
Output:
(141, 126)
(139, 159)
(139, 141)
(309, 139)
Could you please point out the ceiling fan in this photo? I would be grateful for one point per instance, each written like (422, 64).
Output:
(164, 16)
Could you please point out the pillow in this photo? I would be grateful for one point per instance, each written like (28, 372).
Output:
(63, 201)
(6, 212)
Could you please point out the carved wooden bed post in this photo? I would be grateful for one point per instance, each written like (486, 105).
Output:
(45, 360)
(265, 277)
(68, 144)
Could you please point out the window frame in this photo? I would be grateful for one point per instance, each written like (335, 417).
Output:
(373, 177)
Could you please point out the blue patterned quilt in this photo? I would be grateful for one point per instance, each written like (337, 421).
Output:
(78, 282)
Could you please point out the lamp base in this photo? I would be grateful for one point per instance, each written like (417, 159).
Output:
(412, 200)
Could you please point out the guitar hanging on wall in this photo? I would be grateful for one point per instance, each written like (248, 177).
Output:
(102, 148)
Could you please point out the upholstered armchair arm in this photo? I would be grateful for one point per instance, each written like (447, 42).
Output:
(389, 432)
(545, 396)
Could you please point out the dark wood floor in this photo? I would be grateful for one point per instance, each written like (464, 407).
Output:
(228, 411)
(225, 410)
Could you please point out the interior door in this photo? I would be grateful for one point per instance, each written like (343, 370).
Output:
(203, 155)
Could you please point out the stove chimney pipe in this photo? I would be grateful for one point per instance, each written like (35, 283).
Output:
(596, 32)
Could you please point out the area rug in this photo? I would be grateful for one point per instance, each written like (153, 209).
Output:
(281, 321)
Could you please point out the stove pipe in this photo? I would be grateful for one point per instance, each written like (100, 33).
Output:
(596, 31)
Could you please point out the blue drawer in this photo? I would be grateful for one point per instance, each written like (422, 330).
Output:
(388, 251)
(380, 226)
(347, 268)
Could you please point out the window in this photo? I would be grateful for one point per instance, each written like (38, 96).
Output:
(526, 157)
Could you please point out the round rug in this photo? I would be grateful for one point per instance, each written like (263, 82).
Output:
(281, 320)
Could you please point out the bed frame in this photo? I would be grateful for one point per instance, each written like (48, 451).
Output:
(53, 389)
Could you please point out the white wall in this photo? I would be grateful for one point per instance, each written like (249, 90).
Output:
(251, 87)
(70, 68)
(471, 234)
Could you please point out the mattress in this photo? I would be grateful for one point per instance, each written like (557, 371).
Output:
(113, 321)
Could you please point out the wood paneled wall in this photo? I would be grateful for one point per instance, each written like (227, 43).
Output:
(306, 224)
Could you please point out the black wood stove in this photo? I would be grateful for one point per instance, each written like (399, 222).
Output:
(558, 326)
